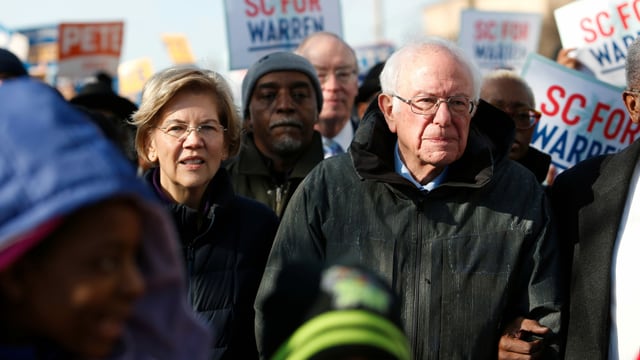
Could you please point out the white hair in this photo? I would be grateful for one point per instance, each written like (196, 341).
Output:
(391, 72)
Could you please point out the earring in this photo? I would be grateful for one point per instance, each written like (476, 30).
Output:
(151, 154)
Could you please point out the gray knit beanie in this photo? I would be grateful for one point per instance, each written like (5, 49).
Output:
(278, 61)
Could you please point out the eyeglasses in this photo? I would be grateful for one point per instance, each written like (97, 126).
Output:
(428, 105)
(525, 118)
(343, 76)
(182, 131)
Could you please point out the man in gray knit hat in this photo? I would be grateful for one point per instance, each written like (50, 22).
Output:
(281, 100)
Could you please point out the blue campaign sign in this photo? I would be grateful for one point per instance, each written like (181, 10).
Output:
(258, 27)
(369, 55)
(43, 51)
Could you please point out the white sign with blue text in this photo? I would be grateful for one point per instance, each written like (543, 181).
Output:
(581, 115)
(258, 27)
(499, 40)
(601, 31)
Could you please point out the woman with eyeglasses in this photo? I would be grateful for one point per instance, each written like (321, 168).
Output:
(187, 126)
(507, 91)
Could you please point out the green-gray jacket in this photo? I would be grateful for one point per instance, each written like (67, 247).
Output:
(252, 178)
(465, 258)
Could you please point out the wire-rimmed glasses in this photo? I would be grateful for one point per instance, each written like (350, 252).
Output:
(181, 131)
(342, 75)
(428, 105)
(525, 118)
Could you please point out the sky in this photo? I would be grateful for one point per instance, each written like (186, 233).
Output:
(203, 23)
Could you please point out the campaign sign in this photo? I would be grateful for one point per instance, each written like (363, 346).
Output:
(258, 27)
(370, 55)
(581, 115)
(601, 30)
(42, 60)
(179, 48)
(15, 42)
(132, 75)
(499, 39)
(87, 48)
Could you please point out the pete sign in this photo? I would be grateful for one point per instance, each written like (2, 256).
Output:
(581, 116)
(87, 48)
(258, 27)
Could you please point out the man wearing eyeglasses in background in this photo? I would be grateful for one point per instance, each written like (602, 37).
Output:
(508, 92)
(430, 200)
(337, 67)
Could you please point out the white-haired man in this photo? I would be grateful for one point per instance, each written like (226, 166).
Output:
(430, 200)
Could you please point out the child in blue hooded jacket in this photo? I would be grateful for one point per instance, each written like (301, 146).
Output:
(89, 265)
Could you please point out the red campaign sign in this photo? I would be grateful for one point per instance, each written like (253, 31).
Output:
(90, 39)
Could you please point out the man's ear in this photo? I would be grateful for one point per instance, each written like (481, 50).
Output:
(385, 103)
(633, 106)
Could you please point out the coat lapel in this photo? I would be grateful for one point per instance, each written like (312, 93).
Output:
(598, 227)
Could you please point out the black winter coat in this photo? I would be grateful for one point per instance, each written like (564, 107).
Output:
(225, 244)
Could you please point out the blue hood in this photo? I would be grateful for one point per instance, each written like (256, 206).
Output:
(53, 160)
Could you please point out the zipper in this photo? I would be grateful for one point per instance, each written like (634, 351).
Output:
(281, 192)
(191, 257)
(416, 280)
(191, 249)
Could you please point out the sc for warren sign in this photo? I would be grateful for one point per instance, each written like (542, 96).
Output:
(581, 115)
(499, 39)
(258, 27)
(601, 30)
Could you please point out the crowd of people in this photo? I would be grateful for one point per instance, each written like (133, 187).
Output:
(405, 217)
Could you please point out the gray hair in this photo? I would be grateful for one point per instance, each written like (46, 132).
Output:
(506, 74)
(391, 72)
(632, 66)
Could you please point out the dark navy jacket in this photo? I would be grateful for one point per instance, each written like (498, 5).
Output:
(225, 245)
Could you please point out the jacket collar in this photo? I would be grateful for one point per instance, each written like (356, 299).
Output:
(219, 190)
(490, 137)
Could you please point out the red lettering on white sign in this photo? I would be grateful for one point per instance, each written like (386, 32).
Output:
(261, 7)
(90, 39)
(614, 122)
